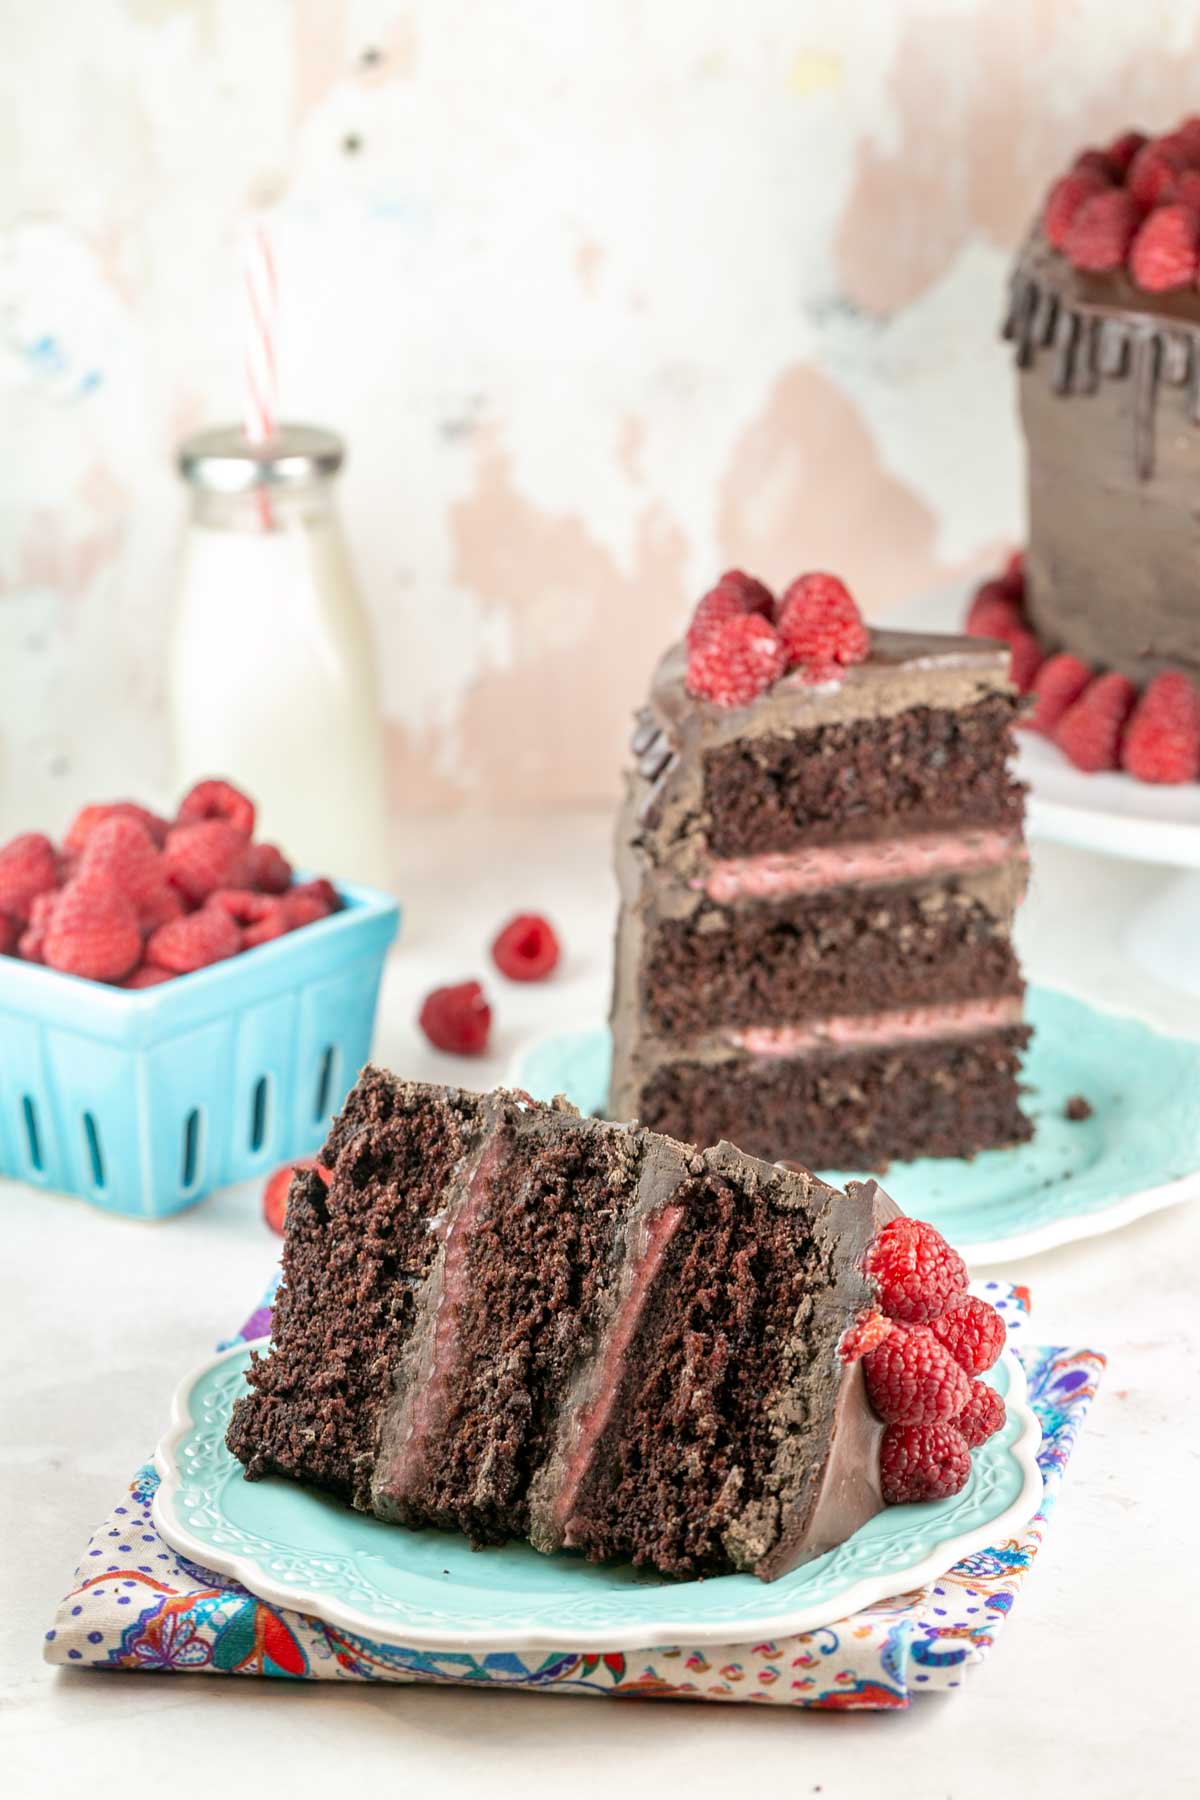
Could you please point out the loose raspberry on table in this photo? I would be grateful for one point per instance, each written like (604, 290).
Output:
(1065, 199)
(916, 1273)
(278, 1186)
(204, 937)
(1056, 686)
(864, 1335)
(1089, 732)
(923, 1462)
(973, 1333)
(92, 931)
(147, 975)
(820, 623)
(260, 916)
(216, 799)
(1099, 236)
(203, 857)
(86, 821)
(982, 1416)
(1162, 740)
(912, 1378)
(1025, 658)
(994, 612)
(734, 595)
(736, 661)
(268, 869)
(1165, 254)
(457, 1019)
(526, 949)
(121, 849)
(28, 867)
(1151, 175)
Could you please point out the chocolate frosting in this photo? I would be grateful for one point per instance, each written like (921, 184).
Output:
(1109, 387)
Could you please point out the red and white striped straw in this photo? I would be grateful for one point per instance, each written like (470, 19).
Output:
(262, 306)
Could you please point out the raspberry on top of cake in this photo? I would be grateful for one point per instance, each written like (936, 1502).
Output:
(820, 856)
(500, 1318)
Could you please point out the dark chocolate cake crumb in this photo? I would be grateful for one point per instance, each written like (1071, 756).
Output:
(1077, 1108)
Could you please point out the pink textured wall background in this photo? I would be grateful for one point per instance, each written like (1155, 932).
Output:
(604, 298)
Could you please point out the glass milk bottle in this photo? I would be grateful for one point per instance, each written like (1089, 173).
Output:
(272, 678)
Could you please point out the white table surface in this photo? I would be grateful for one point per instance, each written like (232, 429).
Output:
(1086, 1692)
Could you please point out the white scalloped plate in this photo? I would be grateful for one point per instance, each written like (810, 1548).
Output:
(297, 1548)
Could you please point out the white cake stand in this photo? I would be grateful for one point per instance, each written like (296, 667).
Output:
(1112, 814)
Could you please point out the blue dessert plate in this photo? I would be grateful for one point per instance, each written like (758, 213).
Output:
(1137, 1151)
(297, 1548)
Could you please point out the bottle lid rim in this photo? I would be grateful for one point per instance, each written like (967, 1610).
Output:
(225, 461)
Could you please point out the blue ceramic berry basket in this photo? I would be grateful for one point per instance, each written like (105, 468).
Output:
(144, 1101)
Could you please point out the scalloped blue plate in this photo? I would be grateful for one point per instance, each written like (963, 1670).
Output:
(297, 1548)
(1139, 1150)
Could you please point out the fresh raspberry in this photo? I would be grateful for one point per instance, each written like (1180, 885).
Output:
(1089, 732)
(1024, 661)
(1162, 740)
(318, 889)
(85, 822)
(203, 937)
(526, 949)
(994, 612)
(147, 975)
(261, 916)
(912, 1379)
(866, 1334)
(120, 850)
(279, 1185)
(92, 931)
(916, 1273)
(735, 594)
(1166, 251)
(302, 909)
(820, 624)
(10, 932)
(1013, 577)
(982, 1416)
(1065, 199)
(1056, 686)
(736, 661)
(1151, 176)
(28, 867)
(457, 1019)
(1121, 152)
(923, 1462)
(973, 1333)
(32, 941)
(217, 800)
(203, 857)
(268, 869)
(1099, 236)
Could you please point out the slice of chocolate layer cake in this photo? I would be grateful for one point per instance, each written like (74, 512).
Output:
(501, 1318)
(819, 863)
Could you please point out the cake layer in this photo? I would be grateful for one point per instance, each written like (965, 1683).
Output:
(827, 953)
(683, 1411)
(1109, 378)
(860, 1109)
(870, 778)
(477, 1308)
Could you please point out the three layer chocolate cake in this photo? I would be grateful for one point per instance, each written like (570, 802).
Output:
(500, 1318)
(814, 956)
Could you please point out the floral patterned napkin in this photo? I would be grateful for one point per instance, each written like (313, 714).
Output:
(136, 1604)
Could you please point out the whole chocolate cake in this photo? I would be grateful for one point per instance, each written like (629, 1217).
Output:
(818, 879)
(500, 1318)
(1105, 316)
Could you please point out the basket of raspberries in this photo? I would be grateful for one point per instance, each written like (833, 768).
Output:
(178, 1008)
